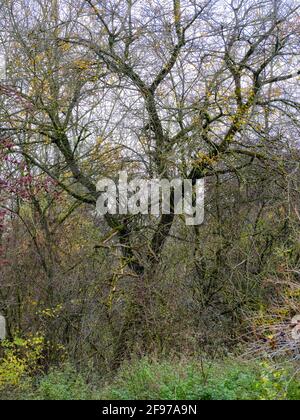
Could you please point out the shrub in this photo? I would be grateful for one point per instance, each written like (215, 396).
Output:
(21, 358)
(63, 385)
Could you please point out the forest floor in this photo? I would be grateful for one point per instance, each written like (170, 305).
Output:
(149, 379)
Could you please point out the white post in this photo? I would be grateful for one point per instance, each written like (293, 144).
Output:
(2, 67)
(2, 328)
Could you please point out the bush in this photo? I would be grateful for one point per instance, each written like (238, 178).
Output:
(63, 385)
(21, 358)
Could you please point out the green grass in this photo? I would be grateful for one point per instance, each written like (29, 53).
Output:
(194, 381)
(167, 380)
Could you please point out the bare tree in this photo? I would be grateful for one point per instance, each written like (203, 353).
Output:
(185, 88)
